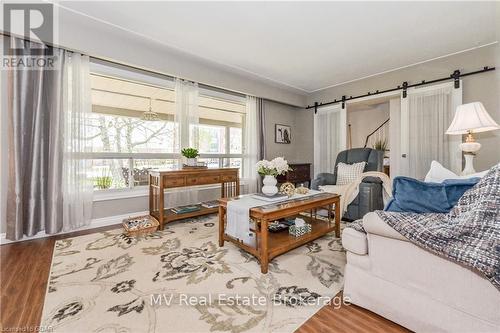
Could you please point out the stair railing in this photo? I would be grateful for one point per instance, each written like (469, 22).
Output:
(376, 131)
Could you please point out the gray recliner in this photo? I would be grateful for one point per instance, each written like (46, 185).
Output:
(370, 190)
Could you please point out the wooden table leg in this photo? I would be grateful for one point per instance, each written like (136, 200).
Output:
(337, 219)
(161, 200)
(221, 226)
(330, 206)
(264, 254)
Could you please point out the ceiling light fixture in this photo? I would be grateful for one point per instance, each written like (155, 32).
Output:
(150, 115)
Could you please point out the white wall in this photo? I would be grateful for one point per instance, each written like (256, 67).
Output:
(365, 120)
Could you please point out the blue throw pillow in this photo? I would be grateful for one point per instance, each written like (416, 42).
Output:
(414, 196)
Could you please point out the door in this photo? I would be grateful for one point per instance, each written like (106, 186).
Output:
(330, 134)
(426, 114)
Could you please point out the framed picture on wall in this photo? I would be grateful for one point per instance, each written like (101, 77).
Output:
(282, 134)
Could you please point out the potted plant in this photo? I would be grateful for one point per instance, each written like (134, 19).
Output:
(190, 154)
(380, 144)
(271, 169)
(103, 182)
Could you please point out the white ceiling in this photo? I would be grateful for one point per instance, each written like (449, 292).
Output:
(305, 45)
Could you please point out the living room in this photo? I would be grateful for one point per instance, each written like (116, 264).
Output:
(216, 166)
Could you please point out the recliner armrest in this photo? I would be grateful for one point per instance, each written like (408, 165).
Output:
(372, 180)
(323, 179)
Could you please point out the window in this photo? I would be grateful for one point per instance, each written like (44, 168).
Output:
(219, 134)
(124, 148)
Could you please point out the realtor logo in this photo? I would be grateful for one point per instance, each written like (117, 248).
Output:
(31, 21)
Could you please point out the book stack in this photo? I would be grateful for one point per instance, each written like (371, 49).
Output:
(186, 209)
(210, 204)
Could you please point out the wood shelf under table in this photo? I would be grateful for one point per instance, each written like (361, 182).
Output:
(170, 216)
(161, 180)
(282, 242)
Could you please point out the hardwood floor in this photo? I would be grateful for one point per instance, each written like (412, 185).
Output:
(24, 270)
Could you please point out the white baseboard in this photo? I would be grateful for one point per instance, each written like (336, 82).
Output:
(95, 223)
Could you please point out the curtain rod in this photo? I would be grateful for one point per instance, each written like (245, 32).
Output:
(455, 76)
(106, 60)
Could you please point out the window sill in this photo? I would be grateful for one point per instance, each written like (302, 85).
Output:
(143, 191)
(105, 195)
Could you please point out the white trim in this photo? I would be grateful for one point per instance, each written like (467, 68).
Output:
(115, 194)
(143, 191)
(94, 223)
(131, 74)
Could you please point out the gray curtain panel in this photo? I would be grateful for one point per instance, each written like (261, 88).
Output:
(261, 118)
(261, 127)
(34, 199)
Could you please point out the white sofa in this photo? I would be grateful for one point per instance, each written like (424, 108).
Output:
(388, 275)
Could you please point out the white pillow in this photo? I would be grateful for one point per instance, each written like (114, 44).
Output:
(437, 173)
(347, 173)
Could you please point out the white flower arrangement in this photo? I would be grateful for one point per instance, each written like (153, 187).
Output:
(275, 167)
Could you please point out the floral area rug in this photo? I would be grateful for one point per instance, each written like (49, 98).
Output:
(180, 280)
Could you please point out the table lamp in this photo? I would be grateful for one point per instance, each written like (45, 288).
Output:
(469, 119)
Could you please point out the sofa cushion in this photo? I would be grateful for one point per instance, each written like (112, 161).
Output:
(438, 173)
(414, 196)
(373, 224)
(354, 241)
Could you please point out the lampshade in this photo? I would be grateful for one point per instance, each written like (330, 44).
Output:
(471, 117)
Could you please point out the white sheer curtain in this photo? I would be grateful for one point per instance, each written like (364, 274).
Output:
(187, 118)
(329, 138)
(430, 112)
(186, 112)
(77, 187)
(251, 145)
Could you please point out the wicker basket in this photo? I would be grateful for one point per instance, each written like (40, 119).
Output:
(140, 225)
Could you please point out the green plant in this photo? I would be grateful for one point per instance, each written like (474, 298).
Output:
(103, 182)
(189, 152)
(380, 144)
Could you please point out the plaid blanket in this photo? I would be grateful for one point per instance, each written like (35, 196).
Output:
(469, 234)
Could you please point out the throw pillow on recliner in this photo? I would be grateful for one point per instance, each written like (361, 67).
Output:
(414, 196)
(347, 173)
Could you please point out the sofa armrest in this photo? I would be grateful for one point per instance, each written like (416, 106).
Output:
(323, 179)
(373, 224)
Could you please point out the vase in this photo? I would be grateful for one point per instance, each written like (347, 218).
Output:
(269, 187)
(192, 162)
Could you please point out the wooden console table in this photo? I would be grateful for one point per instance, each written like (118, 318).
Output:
(270, 245)
(160, 180)
(300, 173)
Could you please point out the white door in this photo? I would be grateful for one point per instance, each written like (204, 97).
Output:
(426, 114)
(330, 133)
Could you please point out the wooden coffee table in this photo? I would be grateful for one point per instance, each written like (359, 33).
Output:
(270, 245)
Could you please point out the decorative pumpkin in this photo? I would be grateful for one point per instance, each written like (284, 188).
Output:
(288, 189)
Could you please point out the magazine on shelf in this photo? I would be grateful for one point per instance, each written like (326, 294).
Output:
(210, 204)
(186, 209)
